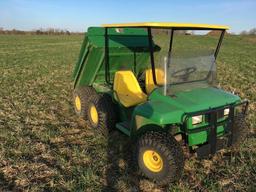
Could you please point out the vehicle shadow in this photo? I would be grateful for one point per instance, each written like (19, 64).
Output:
(6, 184)
(120, 173)
(225, 169)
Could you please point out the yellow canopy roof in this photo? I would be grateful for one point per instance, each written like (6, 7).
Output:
(167, 25)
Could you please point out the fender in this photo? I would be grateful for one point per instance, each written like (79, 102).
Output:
(156, 113)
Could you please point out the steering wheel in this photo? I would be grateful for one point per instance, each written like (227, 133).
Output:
(184, 73)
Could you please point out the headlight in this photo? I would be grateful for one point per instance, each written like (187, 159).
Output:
(197, 119)
(226, 112)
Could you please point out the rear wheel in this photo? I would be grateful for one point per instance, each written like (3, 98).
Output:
(160, 157)
(80, 99)
(101, 113)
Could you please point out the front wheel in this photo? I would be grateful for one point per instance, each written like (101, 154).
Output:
(160, 157)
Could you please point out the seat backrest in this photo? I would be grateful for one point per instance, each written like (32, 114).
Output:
(127, 89)
(150, 85)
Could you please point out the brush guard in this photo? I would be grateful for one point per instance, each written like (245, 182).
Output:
(214, 143)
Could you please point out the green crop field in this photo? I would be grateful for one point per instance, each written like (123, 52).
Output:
(45, 147)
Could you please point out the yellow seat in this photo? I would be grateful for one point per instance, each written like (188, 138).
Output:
(150, 85)
(127, 89)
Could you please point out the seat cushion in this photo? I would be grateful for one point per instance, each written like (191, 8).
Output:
(150, 85)
(127, 89)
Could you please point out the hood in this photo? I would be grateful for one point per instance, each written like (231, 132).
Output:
(198, 99)
(163, 109)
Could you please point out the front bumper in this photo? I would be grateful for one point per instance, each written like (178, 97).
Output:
(214, 141)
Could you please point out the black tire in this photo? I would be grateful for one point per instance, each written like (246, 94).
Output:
(83, 93)
(168, 149)
(105, 111)
(240, 130)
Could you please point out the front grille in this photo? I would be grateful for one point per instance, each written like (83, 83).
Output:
(220, 116)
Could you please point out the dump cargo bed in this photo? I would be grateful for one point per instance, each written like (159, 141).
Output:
(125, 47)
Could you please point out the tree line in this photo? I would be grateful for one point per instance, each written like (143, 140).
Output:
(55, 31)
(249, 32)
(41, 31)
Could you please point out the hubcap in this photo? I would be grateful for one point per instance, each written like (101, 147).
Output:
(78, 103)
(94, 114)
(152, 161)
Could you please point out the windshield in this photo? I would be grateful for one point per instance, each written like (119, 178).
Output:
(186, 58)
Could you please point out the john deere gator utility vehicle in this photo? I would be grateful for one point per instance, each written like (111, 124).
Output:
(156, 83)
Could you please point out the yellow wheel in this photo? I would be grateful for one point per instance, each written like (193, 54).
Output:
(80, 100)
(159, 157)
(78, 103)
(153, 161)
(94, 114)
(101, 114)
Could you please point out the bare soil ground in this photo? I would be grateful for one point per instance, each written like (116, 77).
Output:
(45, 147)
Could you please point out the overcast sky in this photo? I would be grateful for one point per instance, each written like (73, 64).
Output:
(77, 15)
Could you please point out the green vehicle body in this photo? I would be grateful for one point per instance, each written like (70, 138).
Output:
(159, 111)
